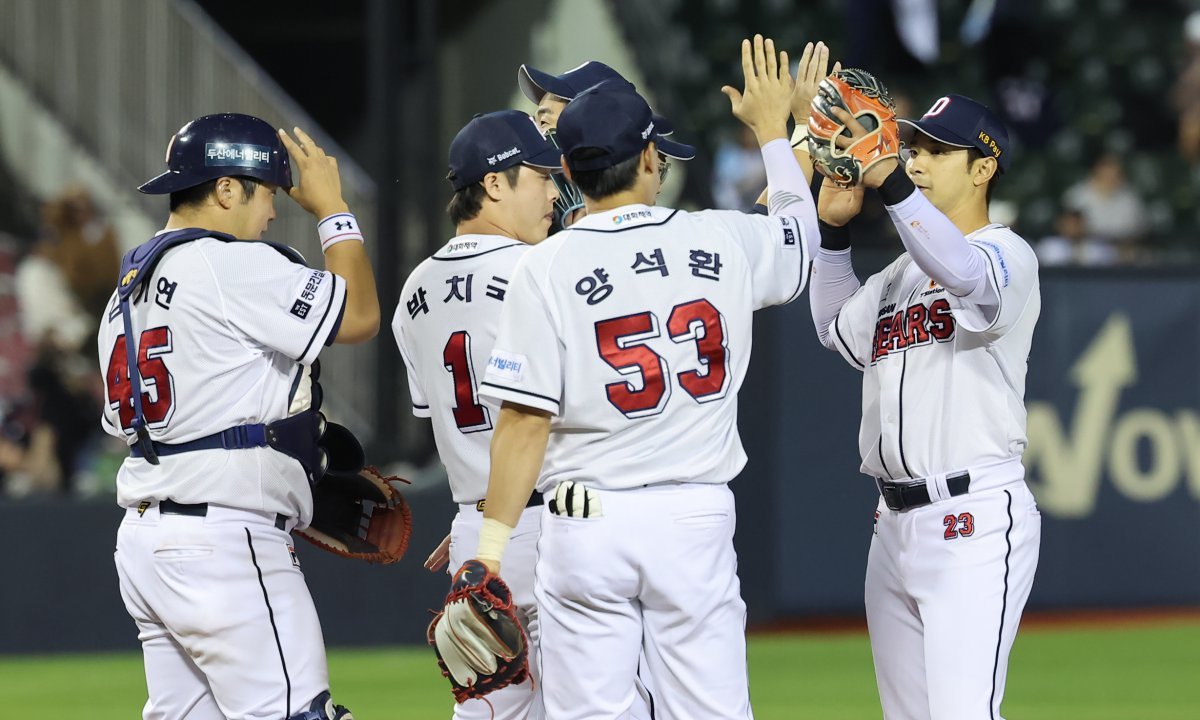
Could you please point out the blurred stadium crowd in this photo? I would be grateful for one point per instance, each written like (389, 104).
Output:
(1103, 97)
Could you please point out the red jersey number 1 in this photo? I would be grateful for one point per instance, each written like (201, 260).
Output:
(469, 415)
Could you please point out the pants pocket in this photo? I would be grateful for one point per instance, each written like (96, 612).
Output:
(183, 552)
(708, 518)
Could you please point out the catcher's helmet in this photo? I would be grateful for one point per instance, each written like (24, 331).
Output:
(224, 145)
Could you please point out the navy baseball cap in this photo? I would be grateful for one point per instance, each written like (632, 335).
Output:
(495, 142)
(535, 84)
(962, 122)
(614, 118)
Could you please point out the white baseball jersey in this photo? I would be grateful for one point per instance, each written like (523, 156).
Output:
(633, 327)
(944, 387)
(223, 330)
(445, 327)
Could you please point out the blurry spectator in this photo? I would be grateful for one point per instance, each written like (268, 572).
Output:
(1186, 93)
(28, 462)
(1112, 211)
(1071, 245)
(84, 247)
(738, 172)
(51, 315)
(63, 285)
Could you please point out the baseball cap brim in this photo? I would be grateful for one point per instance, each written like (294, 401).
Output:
(673, 149)
(932, 130)
(550, 159)
(535, 84)
(168, 182)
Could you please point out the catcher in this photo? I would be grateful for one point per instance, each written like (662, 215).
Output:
(942, 337)
(208, 357)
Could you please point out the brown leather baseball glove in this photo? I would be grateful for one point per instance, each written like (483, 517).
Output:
(360, 515)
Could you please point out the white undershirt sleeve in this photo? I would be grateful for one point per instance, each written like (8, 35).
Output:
(788, 192)
(833, 283)
(937, 246)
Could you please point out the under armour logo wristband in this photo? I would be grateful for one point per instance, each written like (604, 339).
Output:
(337, 228)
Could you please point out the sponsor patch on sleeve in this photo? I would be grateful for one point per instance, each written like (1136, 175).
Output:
(305, 295)
(789, 231)
(507, 366)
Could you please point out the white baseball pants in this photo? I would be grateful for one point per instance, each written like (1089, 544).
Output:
(655, 572)
(946, 584)
(515, 702)
(227, 625)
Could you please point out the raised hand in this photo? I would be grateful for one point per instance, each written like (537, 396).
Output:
(319, 190)
(765, 102)
(813, 68)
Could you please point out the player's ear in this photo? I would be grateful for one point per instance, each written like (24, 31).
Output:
(566, 169)
(649, 157)
(224, 192)
(491, 185)
(983, 170)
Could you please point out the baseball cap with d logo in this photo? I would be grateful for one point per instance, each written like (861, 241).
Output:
(615, 120)
(495, 142)
(962, 122)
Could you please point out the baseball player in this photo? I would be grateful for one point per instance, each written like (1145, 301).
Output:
(623, 342)
(219, 330)
(551, 93)
(445, 326)
(942, 338)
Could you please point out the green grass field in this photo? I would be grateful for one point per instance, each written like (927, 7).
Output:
(1100, 673)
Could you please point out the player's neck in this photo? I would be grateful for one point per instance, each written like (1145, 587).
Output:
(633, 196)
(483, 225)
(206, 220)
(969, 215)
(970, 221)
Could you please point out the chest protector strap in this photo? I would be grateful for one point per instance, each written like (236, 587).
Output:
(295, 436)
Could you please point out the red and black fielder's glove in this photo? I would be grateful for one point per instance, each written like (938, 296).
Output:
(480, 644)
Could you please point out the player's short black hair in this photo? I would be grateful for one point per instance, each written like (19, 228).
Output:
(974, 154)
(598, 184)
(466, 203)
(197, 194)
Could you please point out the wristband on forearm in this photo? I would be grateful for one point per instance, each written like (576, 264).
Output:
(337, 228)
(493, 539)
(897, 188)
(834, 237)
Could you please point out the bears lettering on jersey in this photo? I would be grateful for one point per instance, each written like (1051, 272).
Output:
(917, 325)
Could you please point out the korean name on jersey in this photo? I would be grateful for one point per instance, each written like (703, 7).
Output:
(633, 328)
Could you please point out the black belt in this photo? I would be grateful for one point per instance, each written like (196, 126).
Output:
(170, 507)
(534, 499)
(905, 496)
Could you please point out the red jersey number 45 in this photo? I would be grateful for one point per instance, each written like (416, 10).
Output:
(158, 387)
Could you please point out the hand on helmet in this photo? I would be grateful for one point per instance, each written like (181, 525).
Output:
(319, 187)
